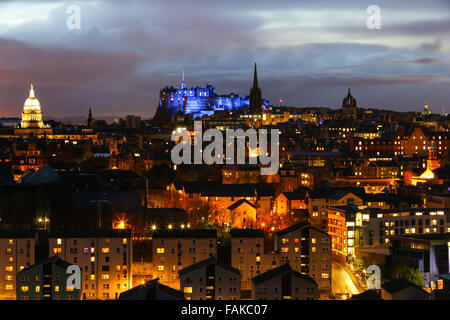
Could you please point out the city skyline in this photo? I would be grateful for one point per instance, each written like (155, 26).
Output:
(122, 56)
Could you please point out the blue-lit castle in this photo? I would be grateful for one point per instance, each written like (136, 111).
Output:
(204, 101)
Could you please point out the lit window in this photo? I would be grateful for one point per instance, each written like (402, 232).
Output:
(313, 249)
(160, 250)
(56, 288)
(325, 275)
(92, 276)
(124, 241)
(24, 288)
(160, 268)
(313, 240)
(105, 250)
(38, 289)
(92, 259)
(105, 276)
(58, 241)
(9, 287)
(187, 289)
(57, 250)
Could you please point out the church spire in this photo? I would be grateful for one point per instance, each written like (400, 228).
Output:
(255, 94)
(255, 78)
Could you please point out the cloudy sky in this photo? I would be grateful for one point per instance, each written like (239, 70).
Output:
(308, 53)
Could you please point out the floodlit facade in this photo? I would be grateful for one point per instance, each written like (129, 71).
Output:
(104, 256)
(17, 251)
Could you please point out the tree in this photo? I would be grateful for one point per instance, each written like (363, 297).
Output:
(362, 263)
(398, 269)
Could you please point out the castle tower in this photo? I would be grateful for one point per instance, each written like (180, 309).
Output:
(32, 114)
(255, 94)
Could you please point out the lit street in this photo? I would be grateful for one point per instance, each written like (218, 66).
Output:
(341, 281)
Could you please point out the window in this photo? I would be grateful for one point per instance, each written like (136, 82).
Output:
(24, 288)
(58, 241)
(56, 288)
(187, 289)
(159, 250)
(105, 250)
(160, 268)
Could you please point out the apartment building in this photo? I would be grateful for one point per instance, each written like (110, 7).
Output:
(308, 250)
(247, 253)
(210, 280)
(104, 256)
(176, 249)
(17, 251)
(284, 283)
(414, 221)
(337, 229)
(46, 280)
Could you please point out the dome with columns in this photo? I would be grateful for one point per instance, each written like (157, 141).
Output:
(32, 114)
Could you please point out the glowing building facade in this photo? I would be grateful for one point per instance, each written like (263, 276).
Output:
(201, 101)
(32, 114)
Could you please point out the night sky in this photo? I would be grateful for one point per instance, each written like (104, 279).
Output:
(308, 53)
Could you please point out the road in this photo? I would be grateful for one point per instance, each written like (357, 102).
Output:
(341, 281)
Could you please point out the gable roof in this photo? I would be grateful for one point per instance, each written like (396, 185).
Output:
(294, 227)
(207, 262)
(55, 260)
(241, 202)
(150, 287)
(276, 272)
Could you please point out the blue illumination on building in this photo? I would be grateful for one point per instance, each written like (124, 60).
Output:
(200, 101)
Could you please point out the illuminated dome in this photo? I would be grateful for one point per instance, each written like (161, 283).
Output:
(32, 114)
